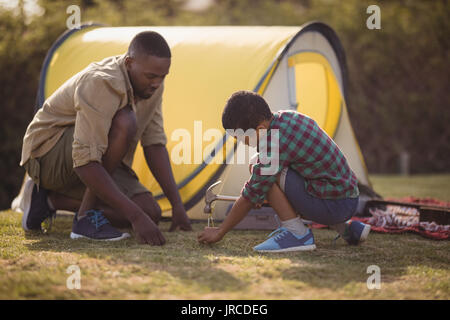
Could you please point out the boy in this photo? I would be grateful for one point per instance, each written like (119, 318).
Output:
(312, 177)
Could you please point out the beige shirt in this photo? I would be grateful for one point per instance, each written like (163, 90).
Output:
(89, 100)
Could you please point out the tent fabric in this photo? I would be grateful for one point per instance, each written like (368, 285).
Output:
(315, 85)
(208, 65)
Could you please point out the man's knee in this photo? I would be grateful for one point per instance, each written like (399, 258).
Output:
(155, 213)
(124, 122)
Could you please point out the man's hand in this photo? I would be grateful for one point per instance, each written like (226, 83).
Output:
(210, 235)
(147, 232)
(180, 219)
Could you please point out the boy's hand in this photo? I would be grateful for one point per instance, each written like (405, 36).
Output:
(210, 235)
(240, 208)
(259, 205)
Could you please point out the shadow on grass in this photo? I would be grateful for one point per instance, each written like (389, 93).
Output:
(182, 257)
(330, 266)
(337, 266)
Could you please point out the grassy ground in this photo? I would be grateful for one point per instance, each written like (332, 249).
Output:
(35, 266)
(434, 186)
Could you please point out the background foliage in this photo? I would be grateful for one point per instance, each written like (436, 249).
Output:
(399, 75)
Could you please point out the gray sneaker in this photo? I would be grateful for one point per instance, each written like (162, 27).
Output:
(95, 226)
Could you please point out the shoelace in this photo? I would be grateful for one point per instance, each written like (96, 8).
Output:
(280, 231)
(344, 236)
(96, 217)
(335, 239)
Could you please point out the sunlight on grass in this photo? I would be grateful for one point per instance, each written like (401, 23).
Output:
(33, 266)
(434, 186)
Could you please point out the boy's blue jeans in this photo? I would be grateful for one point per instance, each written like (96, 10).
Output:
(324, 211)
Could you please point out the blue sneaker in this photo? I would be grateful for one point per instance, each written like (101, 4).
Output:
(282, 240)
(95, 226)
(356, 232)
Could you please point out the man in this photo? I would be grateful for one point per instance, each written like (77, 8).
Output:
(79, 148)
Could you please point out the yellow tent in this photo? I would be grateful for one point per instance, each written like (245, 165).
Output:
(300, 68)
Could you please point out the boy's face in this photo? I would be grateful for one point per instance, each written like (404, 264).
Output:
(247, 141)
(252, 141)
(249, 138)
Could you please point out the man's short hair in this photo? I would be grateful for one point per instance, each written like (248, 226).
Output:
(149, 43)
(245, 110)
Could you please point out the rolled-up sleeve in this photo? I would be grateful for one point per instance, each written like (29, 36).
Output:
(96, 102)
(154, 131)
(269, 164)
(256, 188)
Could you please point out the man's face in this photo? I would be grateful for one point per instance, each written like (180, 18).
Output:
(146, 73)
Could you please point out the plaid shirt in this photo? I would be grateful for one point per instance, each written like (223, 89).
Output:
(306, 148)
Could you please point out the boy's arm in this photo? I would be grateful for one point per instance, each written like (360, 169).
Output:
(239, 210)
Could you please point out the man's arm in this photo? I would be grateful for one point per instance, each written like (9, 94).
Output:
(158, 162)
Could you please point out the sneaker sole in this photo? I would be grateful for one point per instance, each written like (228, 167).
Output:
(300, 248)
(25, 202)
(79, 236)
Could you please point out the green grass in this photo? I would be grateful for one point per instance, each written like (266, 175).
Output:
(434, 186)
(33, 266)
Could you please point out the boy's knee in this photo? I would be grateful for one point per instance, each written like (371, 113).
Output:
(124, 121)
(279, 179)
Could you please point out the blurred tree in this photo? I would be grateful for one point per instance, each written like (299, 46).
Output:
(22, 50)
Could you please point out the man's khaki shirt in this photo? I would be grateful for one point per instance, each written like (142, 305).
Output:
(89, 100)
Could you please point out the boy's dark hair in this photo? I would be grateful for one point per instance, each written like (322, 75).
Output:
(149, 43)
(245, 110)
